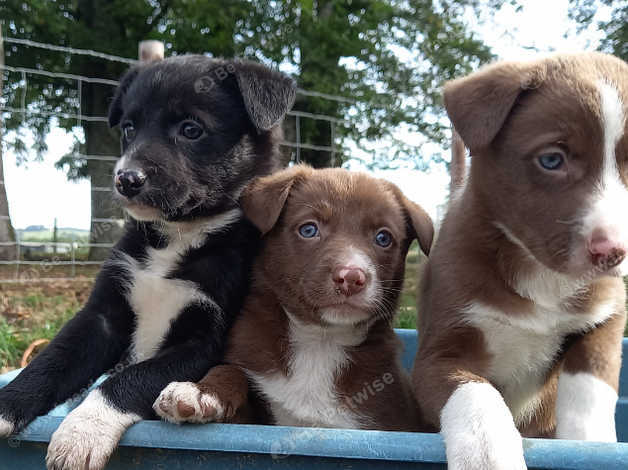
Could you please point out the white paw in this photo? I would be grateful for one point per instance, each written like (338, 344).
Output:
(585, 408)
(183, 402)
(88, 435)
(6, 427)
(479, 431)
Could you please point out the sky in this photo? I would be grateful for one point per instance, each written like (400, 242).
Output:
(38, 192)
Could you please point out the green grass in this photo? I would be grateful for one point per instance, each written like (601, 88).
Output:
(29, 317)
(406, 314)
(30, 312)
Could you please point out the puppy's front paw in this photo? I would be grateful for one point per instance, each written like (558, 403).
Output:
(479, 431)
(88, 435)
(6, 427)
(184, 402)
(585, 408)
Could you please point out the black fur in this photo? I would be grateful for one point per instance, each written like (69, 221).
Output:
(187, 180)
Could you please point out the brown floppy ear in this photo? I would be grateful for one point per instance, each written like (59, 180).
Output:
(420, 224)
(263, 199)
(479, 104)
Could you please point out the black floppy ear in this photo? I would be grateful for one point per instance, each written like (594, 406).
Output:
(263, 199)
(115, 108)
(479, 104)
(268, 94)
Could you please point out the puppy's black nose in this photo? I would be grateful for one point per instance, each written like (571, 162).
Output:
(129, 182)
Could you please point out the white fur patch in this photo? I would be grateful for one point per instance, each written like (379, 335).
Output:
(120, 164)
(367, 297)
(585, 408)
(307, 396)
(608, 202)
(544, 286)
(6, 427)
(189, 394)
(479, 431)
(90, 433)
(157, 300)
(523, 348)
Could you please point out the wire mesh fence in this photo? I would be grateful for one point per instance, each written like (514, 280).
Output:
(70, 257)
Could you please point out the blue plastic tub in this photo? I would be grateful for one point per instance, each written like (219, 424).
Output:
(157, 445)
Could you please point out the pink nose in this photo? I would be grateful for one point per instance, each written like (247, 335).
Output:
(349, 279)
(605, 250)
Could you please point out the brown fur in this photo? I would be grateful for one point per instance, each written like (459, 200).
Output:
(293, 275)
(505, 114)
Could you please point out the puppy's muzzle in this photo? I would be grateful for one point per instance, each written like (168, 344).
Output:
(129, 183)
(606, 250)
(349, 280)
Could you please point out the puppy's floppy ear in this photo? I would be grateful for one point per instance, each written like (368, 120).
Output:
(268, 94)
(479, 104)
(115, 108)
(419, 223)
(263, 199)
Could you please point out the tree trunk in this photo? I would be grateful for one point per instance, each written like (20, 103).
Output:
(7, 234)
(316, 132)
(100, 140)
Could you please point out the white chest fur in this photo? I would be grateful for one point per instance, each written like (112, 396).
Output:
(523, 348)
(307, 395)
(158, 300)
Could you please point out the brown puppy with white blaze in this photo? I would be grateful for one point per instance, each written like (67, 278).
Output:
(523, 306)
(315, 336)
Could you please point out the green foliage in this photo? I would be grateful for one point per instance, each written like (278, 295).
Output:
(615, 29)
(388, 57)
(16, 336)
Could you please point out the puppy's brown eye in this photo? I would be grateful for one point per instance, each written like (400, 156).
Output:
(309, 230)
(191, 130)
(128, 131)
(383, 238)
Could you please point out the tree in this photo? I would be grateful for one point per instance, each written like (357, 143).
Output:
(7, 234)
(351, 48)
(616, 29)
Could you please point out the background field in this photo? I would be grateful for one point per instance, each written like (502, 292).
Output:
(30, 311)
(34, 310)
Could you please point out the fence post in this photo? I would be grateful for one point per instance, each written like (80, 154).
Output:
(7, 233)
(150, 50)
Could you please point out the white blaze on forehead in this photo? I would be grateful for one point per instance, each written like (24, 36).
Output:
(613, 117)
(611, 198)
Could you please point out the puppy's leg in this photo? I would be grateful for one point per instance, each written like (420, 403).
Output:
(89, 434)
(217, 397)
(588, 384)
(87, 346)
(475, 422)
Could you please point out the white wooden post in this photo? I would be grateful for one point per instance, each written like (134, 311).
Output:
(150, 50)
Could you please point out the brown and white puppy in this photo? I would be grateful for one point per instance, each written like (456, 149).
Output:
(315, 336)
(523, 306)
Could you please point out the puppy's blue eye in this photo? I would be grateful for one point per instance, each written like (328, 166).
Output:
(191, 130)
(383, 238)
(128, 131)
(309, 230)
(551, 161)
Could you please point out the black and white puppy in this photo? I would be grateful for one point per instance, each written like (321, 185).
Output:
(195, 130)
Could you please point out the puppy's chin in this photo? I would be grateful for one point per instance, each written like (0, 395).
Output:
(581, 267)
(143, 213)
(344, 315)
